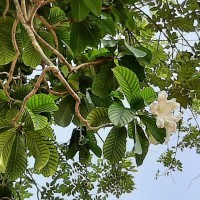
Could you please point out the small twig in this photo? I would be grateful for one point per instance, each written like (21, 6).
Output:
(194, 118)
(193, 180)
(50, 27)
(6, 9)
(36, 6)
(100, 61)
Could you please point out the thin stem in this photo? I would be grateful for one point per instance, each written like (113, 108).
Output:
(6, 9)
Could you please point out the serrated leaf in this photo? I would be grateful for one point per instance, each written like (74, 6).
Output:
(41, 103)
(38, 148)
(158, 133)
(63, 116)
(50, 168)
(17, 161)
(148, 95)
(128, 81)
(21, 92)
(79, 9)
(115, 144)
(98, 116)
(56, 15)
(137, 101)
(119, 115)
(4, 125)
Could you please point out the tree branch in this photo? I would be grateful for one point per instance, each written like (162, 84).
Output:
(6, 9)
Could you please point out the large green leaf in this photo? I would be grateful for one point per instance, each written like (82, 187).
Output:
(7, 52)
(94, 6)
(94, 148)
(142, 142)
(101, 87)
(50, 168)
(38, 148)
(98, 116)
(17, 161)
(84, 34)
(148, 95)
(119, 115)
(41, 103)
(63, 116)
(79, 9)
(158, 133)
(115, 144)
(128, 81)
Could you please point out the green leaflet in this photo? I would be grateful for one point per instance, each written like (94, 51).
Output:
(115, 144)
(38, 148)
(50, 168)
(158, 133)
(128, 81)
(84, 34)
(148, 95)
(41, 103)
(63, 116)
(98, 116)
(94, 6)
(7, 52)
(79, 9)
(119, 115)
(17, 161)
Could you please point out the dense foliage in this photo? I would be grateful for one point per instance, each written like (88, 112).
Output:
(99, 63)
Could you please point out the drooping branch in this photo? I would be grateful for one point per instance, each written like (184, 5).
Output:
(17, 53)
(6, 8)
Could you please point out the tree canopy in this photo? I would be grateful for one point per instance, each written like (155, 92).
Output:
(94, 64)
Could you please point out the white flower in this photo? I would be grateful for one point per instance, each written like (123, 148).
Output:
(163, 110)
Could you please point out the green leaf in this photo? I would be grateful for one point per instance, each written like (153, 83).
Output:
(94, 148)
(137, 101)
(63, 116)
(84, 155)
(17, 161)
(38, 148)
(100, 86)
(115, 144)
(144, 142)
(3, 96)
(119, 115)
(98, 116)
(41, 103)
(56, 15)
(131, 62)
(29, 56)
(94, 6)
(148, 95)
(4, 125)
(158, 133)
(50, 168)
(6, 142)
(21, 92)
(39, 121)
(7, 52)
(79, 9)
(106, 25)
(128, 81)
(84, 34)
(136, 52)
